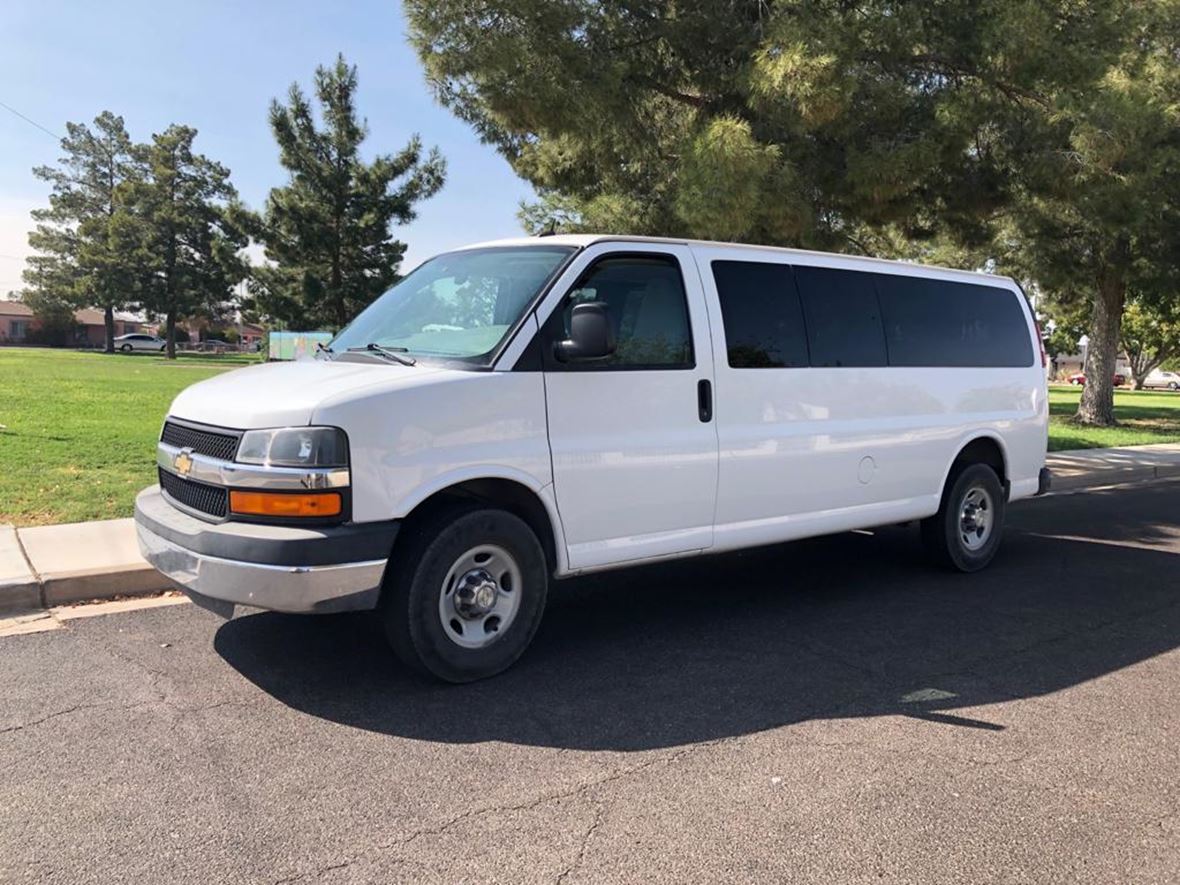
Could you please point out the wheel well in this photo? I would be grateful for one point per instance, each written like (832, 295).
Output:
(517, 499)
(983, 450)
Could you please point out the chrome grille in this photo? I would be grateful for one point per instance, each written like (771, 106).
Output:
(212, 500)
(223, 444)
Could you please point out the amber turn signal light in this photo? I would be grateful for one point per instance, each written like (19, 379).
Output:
(271, 504)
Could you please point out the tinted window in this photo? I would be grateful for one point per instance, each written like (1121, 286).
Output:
(843, 319)
(761, 314)
(645, 302)
(938, 323)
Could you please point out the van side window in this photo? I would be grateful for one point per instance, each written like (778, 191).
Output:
(761, 314)
(940, 323)
(843, 318)
(646, 304)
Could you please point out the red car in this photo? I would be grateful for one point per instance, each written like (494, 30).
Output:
(1080, 378)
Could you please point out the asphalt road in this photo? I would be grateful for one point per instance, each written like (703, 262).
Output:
(744, 718)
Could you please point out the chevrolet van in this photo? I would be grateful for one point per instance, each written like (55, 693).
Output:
(526, 410)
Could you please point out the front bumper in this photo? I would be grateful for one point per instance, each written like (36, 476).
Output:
(282, 568)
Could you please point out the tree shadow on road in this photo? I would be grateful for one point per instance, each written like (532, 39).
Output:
(719, 646)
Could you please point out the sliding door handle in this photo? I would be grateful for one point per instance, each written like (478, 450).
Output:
(705, 400)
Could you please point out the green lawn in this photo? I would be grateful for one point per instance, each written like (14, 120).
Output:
(1144, 416)
(81, 428)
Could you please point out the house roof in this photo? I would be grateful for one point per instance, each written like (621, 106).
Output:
(89, 316)
(14, 309)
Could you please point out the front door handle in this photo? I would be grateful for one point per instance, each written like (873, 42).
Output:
(705, 400)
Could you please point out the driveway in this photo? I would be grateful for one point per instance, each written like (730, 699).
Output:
(826, 711)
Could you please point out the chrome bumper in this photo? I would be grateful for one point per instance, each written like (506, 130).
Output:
(284, 588)
(279, 568)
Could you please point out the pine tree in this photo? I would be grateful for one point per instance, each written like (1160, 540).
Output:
(77, 261)
(816, 124)
(327, 232)
(179, 234)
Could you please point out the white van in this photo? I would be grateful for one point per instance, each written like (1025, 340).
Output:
(538, 408)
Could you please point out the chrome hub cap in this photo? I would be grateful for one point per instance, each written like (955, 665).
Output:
(476, 593)
(976, 518)
(480, 596)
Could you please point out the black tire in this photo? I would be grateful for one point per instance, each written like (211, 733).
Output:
(414, 593)
(126, 348)
(1172, 385)
(164, 348)
(943, 534)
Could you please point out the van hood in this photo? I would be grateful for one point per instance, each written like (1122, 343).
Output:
(287, 394)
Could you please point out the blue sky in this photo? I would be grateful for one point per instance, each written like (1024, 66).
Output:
(216, 65)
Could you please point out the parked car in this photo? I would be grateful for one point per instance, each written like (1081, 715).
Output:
(1161, 379)
(611, 401)
(215, 345)
(1079, 378)
(139, 341)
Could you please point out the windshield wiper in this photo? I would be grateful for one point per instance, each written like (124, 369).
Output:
(390, 353)
(320, 347)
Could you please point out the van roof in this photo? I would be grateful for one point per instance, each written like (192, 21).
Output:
(583, 240)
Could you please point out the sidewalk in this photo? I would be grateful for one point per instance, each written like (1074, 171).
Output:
(47, 566)
(1086, 468)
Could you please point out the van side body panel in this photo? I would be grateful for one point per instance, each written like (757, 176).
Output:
(807, 450)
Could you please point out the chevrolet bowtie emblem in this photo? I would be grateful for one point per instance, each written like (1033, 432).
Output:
(183, 462)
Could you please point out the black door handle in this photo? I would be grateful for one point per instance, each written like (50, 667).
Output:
(705, 400)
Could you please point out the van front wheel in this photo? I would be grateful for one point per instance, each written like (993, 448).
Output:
(465, 594)
(965, 533)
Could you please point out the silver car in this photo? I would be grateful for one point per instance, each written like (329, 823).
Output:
(139, 341)
(1160, 379)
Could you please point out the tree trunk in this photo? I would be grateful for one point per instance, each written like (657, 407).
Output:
(170, 325)
(1097, 405)
(108, 319)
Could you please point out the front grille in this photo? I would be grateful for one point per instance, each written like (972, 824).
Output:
(223, 445)
(196, 495)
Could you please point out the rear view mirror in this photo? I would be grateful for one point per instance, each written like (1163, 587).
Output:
(591, 335)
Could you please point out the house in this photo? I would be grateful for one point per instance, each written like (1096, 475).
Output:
(16, 321)
(94, 332)
(18, 325)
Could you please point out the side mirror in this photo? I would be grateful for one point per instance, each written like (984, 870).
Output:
(591, 335)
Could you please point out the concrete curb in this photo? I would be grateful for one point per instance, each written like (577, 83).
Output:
(46, 566)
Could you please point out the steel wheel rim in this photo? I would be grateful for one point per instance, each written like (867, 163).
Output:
(976, 518)
(480, 596)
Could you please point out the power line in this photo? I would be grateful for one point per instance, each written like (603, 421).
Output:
(30, 121)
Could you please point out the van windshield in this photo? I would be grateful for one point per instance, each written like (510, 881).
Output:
(456, 306)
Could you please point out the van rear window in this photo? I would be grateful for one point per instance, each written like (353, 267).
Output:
(932, 322)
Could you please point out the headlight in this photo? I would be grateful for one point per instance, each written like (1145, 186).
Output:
(295, 447)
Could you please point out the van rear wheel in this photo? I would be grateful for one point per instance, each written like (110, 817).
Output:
(965, 533)
(466, 593)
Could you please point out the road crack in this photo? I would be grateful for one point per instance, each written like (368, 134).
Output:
(74, 709)
(589, 834)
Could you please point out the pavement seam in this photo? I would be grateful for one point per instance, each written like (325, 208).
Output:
(20, 545)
